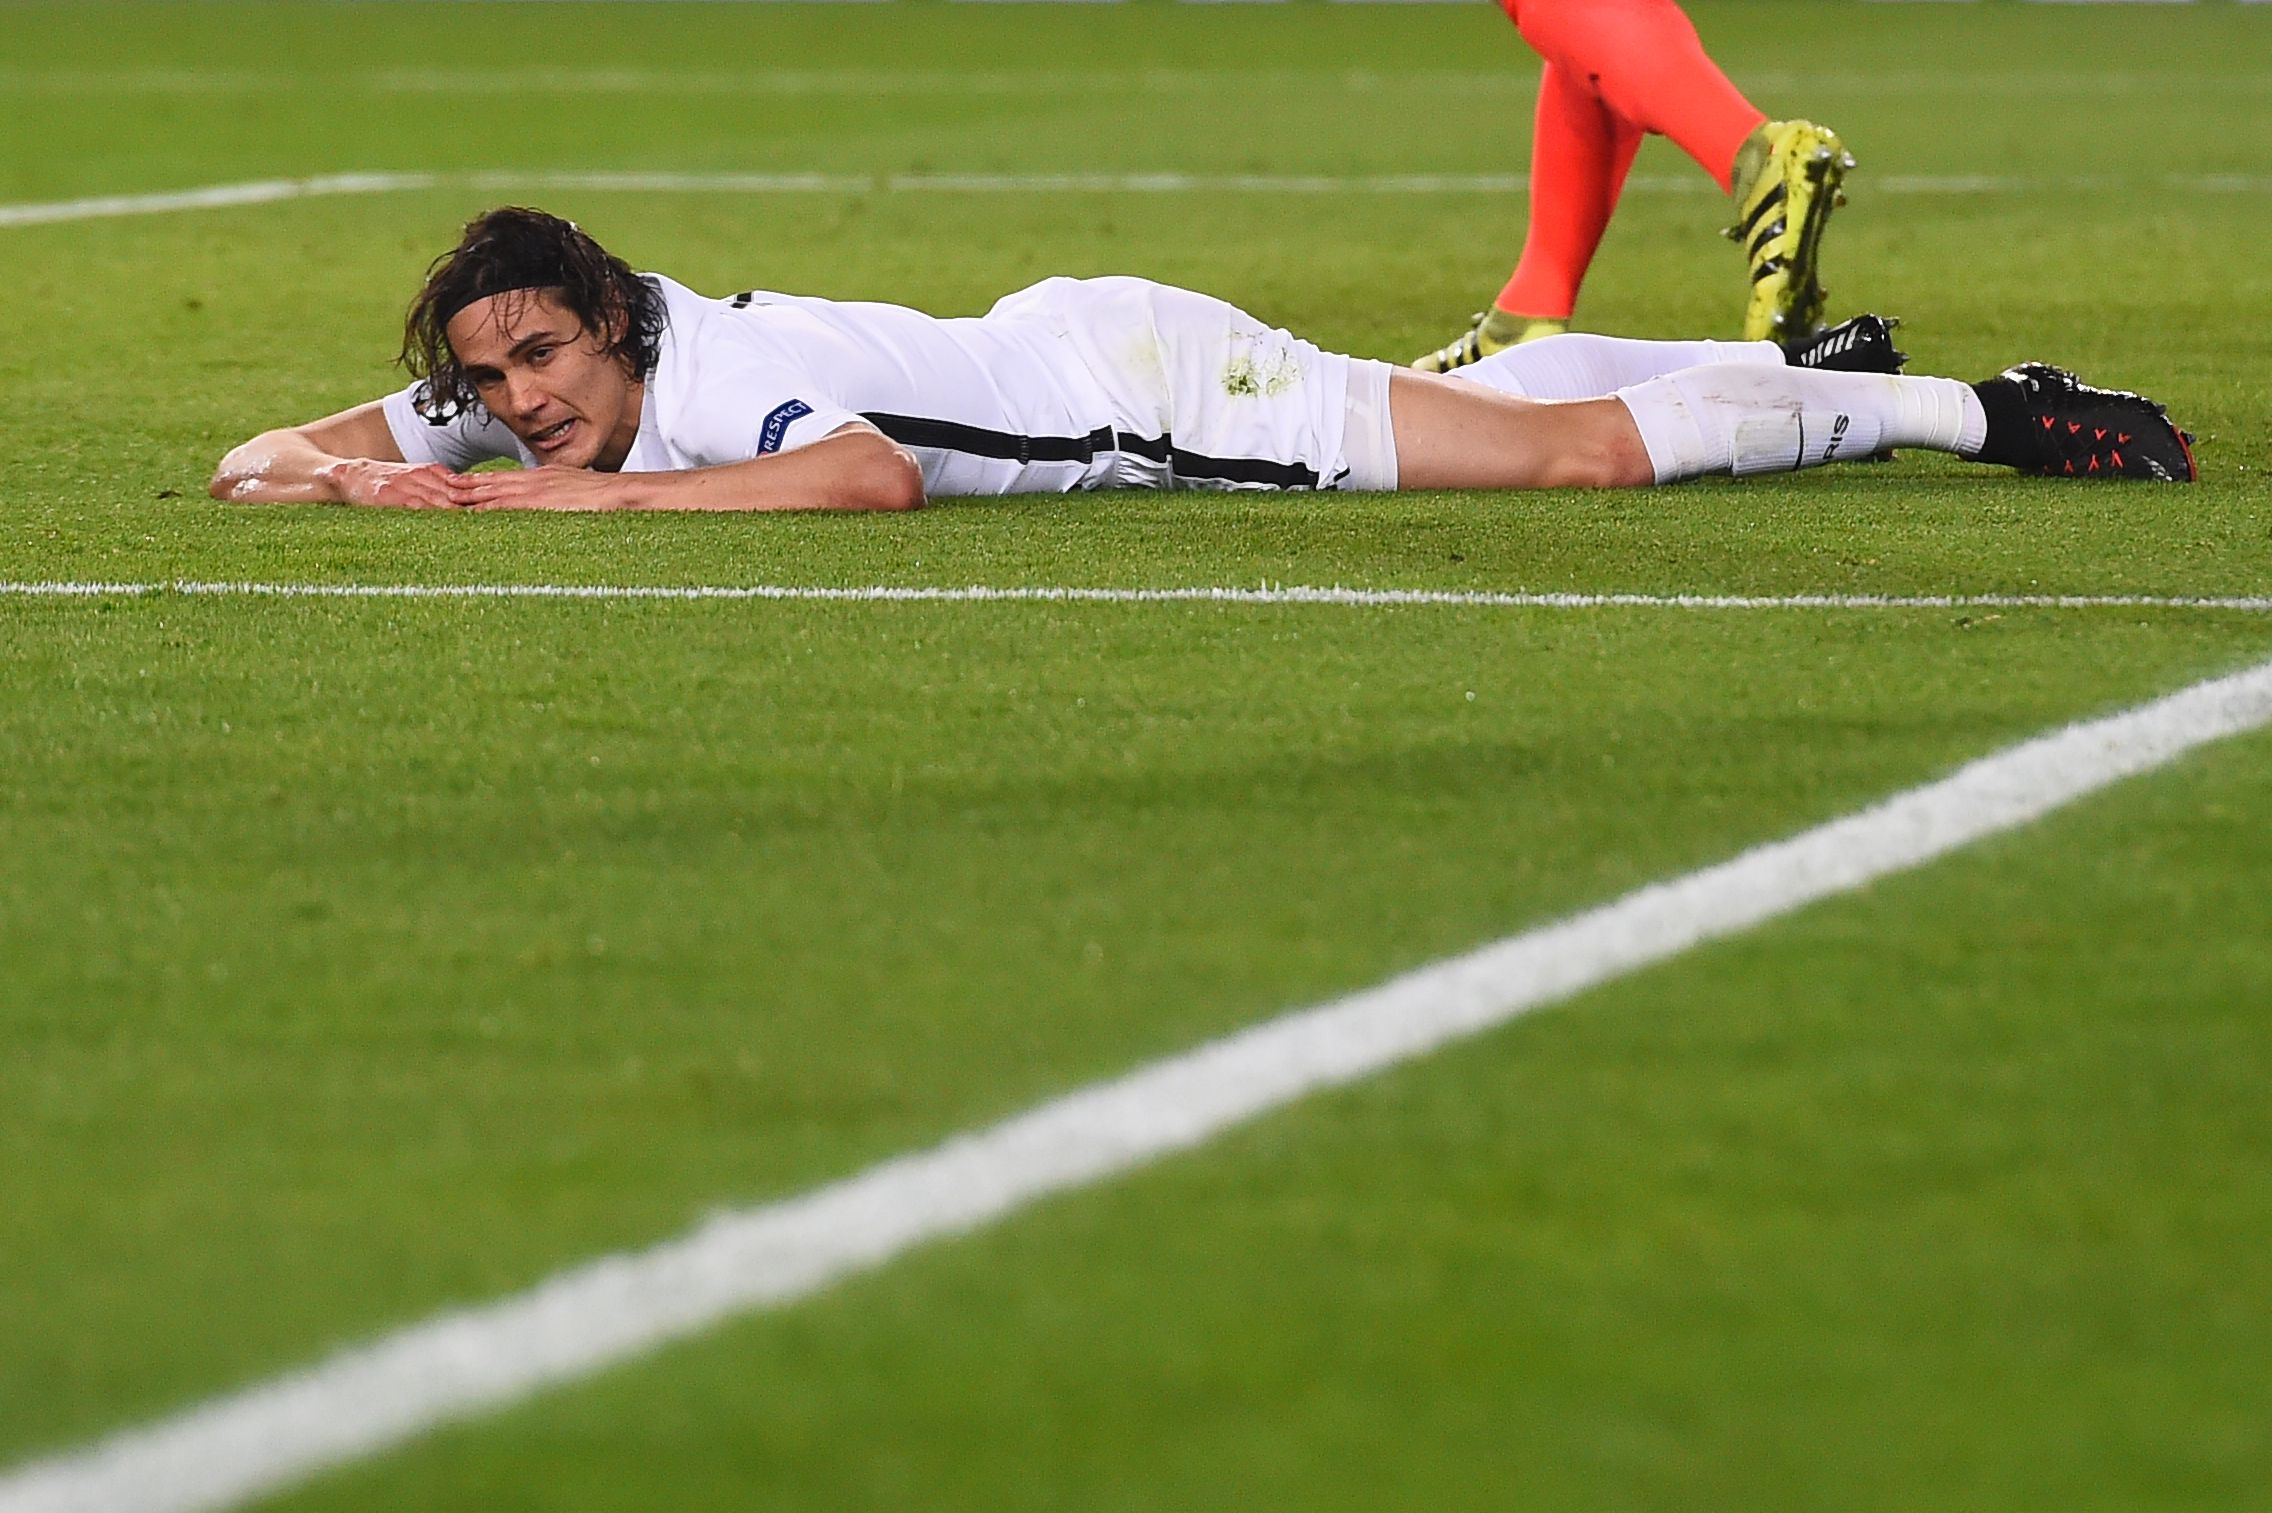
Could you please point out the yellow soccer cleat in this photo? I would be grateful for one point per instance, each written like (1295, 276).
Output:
(1491, 331)
(1789, 178)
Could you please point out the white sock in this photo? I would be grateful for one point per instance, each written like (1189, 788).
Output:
(1580, 365)
(1745, 419)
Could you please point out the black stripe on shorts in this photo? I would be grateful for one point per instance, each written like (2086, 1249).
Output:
(1007, 446)
(976, 441)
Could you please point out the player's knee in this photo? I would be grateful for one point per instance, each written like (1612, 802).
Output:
(1573, 468)
(1594, 445)
(1604, 466)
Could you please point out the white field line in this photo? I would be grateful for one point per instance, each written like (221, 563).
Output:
(1265, 594)
(268, 191)
(1518, 80)
(859, 84)
(211, 197)
(368, 1398)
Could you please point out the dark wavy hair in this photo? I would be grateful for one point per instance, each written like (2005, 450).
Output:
(515, 248)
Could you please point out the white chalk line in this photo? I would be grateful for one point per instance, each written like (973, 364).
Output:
(369, 1398)
(1518, 80)
(209, 197)
(1263, 594)
(860, 84)
(271, 191)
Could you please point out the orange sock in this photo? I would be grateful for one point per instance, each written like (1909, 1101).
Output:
(1578, 160)
(1645, 61)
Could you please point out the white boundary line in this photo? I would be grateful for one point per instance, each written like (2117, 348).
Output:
(1518, 79)
(367, 1399)
(269, 191)
(211, 197)
(1265, 594)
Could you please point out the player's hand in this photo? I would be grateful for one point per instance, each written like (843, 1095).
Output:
(539, 489)
(397, 485)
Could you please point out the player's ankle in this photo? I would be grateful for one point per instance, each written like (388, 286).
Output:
(1500, 328)
(1505, 328)
(1752, 155)
(2006, 410)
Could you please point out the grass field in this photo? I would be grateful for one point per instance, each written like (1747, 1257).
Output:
(359, 958)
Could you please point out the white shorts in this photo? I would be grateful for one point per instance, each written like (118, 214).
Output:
(1205, 396)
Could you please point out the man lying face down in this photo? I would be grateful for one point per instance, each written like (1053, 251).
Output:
(621, 390)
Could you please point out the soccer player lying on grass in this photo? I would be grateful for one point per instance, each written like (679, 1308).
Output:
(616, 390)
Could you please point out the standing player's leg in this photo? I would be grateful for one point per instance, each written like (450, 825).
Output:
(1579, 156)
(1646, 59)
(1645, 63)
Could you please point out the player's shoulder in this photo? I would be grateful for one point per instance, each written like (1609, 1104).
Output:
(718, 367)
(694, 320)
(690, 307)
(736, 338)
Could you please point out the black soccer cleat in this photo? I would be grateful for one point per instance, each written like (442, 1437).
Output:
(2045, 420)
(1863, 344)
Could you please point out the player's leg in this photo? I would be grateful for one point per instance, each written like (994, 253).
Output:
(1579, 161)
(2036, 418)
(1580, 365)
(1580, 154)
(1647, 63)
(1748, 418)
(1451, 434)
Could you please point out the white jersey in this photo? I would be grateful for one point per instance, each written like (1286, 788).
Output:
(1071, 384)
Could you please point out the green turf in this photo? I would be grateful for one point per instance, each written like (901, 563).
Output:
(1748, 1231)
(366, 957)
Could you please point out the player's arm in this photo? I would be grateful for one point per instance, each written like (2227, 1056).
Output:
(348, 458)
(855, 467)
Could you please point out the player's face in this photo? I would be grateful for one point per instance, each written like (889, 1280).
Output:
(537, 369)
